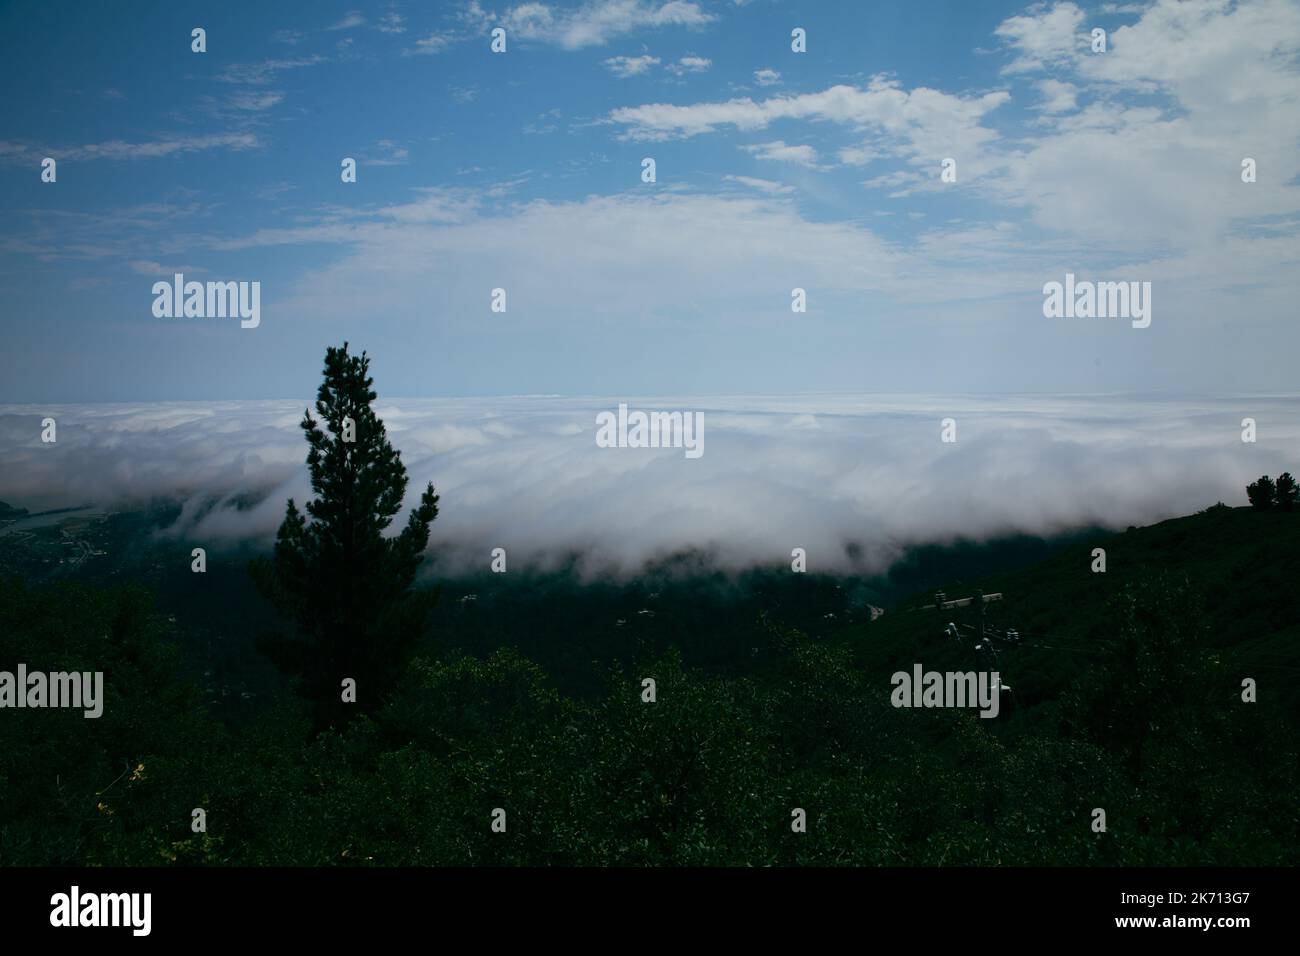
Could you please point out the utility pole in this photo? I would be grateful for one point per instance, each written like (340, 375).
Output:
(979, 603)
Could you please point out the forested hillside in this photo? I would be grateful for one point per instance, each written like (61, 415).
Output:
(1130, 701)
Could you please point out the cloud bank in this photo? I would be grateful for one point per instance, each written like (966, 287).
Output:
(853, 479)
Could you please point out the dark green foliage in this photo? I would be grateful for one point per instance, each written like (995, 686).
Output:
(1262, 494)
(1285, 493)
(117, 789)
(1155, 670)
(344, 584)
(1148, 725)
(1127, 697)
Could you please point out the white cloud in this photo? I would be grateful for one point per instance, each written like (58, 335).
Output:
(822, 473)
(767, 77)
(779, 151)
(1048, 37)
(625, 66)
(545, 124)
(350, 20)
(626, 250)
(922, 122)
(918, 126)
(1220, 82)
(391, 22)
(857, 155)
(729, 257)
(764, 185)
(116, 149)
(262, 72)
(434, 205)
(255, 100)
(1058, 97)
(690, 64)
(432, 44)
(593, 23)
(389, 154)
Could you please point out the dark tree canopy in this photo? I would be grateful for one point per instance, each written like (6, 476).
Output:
(1285, 491)
(346, 585)
(1261, 493)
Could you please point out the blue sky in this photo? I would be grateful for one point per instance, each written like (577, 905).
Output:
(522, 170)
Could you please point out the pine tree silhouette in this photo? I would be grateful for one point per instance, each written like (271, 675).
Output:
(345, 585)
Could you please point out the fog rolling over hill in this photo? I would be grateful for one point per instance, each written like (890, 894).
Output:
(854, 479)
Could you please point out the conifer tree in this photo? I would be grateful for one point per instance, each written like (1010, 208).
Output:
(344, 584)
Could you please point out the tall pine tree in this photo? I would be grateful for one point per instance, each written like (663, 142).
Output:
(345, 585)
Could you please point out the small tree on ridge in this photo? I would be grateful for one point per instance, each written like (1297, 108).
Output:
(1261, 493)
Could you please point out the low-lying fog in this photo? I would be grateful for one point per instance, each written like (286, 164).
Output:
(853, 479)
